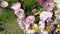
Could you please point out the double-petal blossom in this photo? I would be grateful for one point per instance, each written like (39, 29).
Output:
(46, 4)
(32, 31)
(16, 6)
(45, 15)
(19, 13)
(30, 19)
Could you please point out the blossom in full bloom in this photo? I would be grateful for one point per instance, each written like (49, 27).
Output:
(16, 6)
(30, 19)
(31, 31)
(44, 15)
(46, 4)
(19, 13)
(4, 4)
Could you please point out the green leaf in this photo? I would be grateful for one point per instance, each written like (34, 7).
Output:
(37, 20)
(54, 9)
(47, 28)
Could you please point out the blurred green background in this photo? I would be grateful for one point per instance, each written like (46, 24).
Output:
(8, 23)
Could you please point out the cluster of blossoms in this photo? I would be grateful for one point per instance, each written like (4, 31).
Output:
(46, 24)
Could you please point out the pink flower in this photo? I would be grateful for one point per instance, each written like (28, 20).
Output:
(16, 6)
(20, 13)
(46, 4)
(30, 19)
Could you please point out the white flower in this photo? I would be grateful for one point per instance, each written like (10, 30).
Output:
(16, 6)
(30, 19)
(20, 13)
(44, 32)
(44, 15)
(21, 25)
(30, 31)
(4, 4)
(42, 25)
